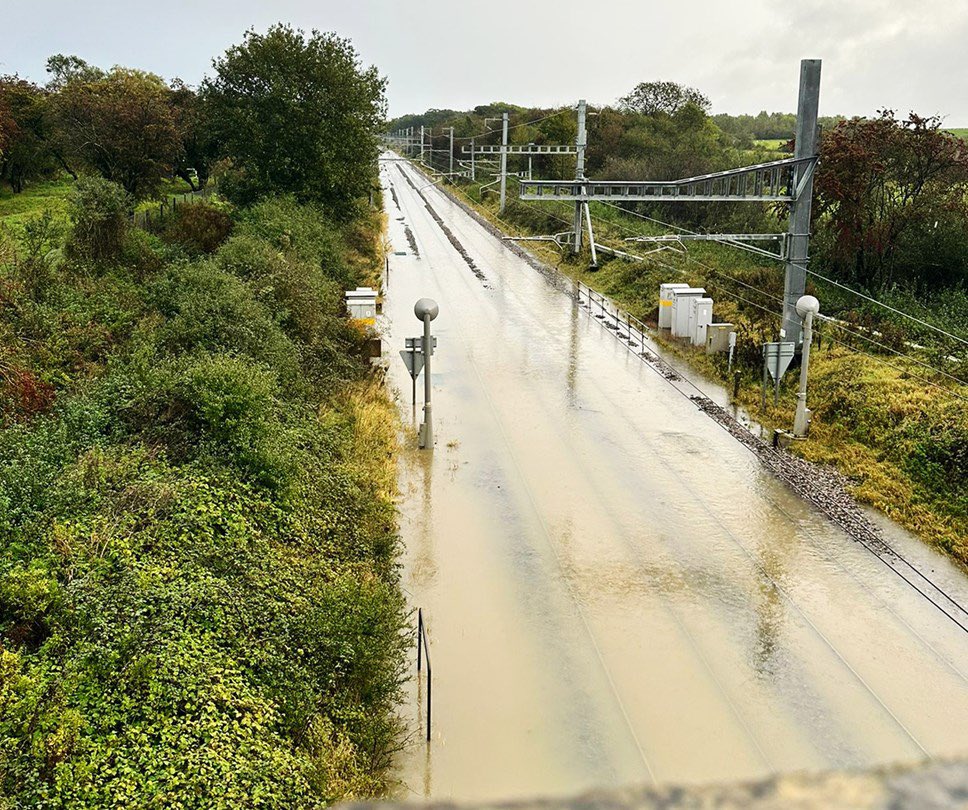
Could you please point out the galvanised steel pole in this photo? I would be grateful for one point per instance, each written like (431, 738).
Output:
(798, 238)
(473, 173)
(579, 172)
(421, 143)
(504, 161)
(451, 154)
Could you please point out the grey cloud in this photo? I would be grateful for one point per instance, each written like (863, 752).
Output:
(744, 54)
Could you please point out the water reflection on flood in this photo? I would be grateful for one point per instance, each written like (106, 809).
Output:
(615, 590)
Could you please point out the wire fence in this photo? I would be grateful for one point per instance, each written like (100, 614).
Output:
(157, 213)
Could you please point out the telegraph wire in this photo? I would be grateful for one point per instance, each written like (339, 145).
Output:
(888, 307)
(514, 126)
(809, 271)
(826, 319)
(716, 271)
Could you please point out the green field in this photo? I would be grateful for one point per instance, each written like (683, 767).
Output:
(961, 133)
(53, 195)
(50, 194)
(773, 144)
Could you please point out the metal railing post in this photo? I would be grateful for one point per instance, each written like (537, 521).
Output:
(424, 647)
(419, 635)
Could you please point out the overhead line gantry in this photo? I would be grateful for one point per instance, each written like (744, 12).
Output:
(789, 181)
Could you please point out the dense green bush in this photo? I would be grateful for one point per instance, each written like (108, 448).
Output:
(198, 647)
(198, 595)
(293, 261)
(198, 228)
(99, 211)
(301, 230)
(40, 241)
(206, 307)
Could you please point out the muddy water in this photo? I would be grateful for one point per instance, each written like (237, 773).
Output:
(615, 591)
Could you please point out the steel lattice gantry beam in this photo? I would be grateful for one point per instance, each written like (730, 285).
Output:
(521, 149)
(777, 181)
(739, 240)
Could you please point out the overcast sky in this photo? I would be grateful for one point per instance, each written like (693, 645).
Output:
(744, 54)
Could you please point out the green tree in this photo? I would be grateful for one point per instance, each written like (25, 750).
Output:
(8, 126)
(891, 202)
(197, 147)
(629, 146)
(64, 69)
(653, 98)
(120, 125)
(24, 151)
(297, 113)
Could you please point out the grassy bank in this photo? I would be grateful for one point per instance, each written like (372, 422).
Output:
(896, 429)
(49, 195)
(53, 195)
(198, 590)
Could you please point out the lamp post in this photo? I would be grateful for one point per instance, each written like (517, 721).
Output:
(807, 307)
(426, 310)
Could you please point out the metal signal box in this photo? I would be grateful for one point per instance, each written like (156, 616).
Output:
(665, 303)
(361, 304)
(681, 304)
(700, 316)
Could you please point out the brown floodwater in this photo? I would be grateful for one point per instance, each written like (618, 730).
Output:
(615, 591)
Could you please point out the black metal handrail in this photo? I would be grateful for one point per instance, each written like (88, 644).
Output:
(423, 652)
(635, 331)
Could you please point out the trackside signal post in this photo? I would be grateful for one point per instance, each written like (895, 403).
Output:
(426, 310)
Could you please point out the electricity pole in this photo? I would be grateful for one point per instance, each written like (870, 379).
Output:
(504, 161)
(580, 142)
(798, 236)
(473, 174)
(421, 143)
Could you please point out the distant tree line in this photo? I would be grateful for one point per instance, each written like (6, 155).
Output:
(134, 128)
(766, 126)
(891, 194)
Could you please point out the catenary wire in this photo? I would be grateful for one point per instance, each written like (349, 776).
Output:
(898, 556)
(814, 273)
